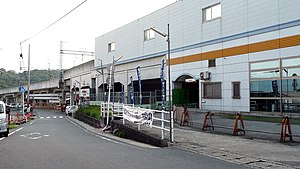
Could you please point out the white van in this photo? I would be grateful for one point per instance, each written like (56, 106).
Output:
(3, 119)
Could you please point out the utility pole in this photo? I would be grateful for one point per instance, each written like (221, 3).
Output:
(167, 36)
(28, 88)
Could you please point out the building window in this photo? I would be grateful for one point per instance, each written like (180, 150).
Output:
(274, 85)
(212, 90)
(211, 12)
(149, 34)
(212, 63)
(236, 88)
(111, 47)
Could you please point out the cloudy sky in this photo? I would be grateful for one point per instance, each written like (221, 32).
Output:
(21, 19)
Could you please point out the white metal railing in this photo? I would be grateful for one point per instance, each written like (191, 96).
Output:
(159, 116)
(159, 119)
(115, 109)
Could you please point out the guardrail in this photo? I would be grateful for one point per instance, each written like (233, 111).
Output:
(115, 109)
(158, 119)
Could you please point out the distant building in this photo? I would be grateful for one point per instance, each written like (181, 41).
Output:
(225, 55)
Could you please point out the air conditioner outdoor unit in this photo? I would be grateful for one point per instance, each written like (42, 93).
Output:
(205, 75)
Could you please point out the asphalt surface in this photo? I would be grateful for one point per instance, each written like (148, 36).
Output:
(53, 140)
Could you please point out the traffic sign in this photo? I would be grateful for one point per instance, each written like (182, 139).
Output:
(22, 89)
(110, 68)
(112, 81)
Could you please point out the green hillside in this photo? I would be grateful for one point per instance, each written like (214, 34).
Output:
(12, 79)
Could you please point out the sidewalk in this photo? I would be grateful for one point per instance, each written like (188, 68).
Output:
(251, 152)
(254, 129)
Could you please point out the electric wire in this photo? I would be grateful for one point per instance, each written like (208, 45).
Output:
(53, 23)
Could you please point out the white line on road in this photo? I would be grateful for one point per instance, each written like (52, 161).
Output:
(12, 133)
(61, 117)
(15, 131)
(32, 122)
(48, 117)
(54, 117)
(41, 117)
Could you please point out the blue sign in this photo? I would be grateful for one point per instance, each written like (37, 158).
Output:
(138, 71)
(162, 79)
(275, 88)
(131, 91)
(22, 89)
(122, 95)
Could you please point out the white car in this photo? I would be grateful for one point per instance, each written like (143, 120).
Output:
(4, 119)
(70, 110)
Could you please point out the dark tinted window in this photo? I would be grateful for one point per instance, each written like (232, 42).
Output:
(1, 108)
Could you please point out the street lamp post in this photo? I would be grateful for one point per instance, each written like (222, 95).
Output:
(110, 72)
(28, 89)
(167, 36)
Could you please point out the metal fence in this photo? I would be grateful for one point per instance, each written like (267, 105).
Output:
(160, 119)
(149, 97)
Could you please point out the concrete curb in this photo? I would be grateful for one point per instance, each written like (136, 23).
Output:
(108, 135)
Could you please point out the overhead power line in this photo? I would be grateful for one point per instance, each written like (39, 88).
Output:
(53, 23)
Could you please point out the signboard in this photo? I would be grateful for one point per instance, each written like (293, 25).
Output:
(22, 89)
(162, 79)
(85, 93)
(275, 88)
(138, 115)
(138, 71)
(131, 91)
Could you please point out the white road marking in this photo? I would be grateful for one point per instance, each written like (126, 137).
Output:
(15, 131)
(32, 122)
(12, 133)
(48, 117)
(54, 117)
(34, 136)
(41, 117)
(61, 117)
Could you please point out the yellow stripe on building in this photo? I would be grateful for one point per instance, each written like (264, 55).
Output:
(239, 50)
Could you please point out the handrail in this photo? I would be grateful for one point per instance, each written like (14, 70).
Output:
(162, 120)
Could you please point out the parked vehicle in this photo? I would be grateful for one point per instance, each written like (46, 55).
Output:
(4, 113)
(70, 110)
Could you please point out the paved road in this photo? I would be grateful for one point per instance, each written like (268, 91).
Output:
(54, 141)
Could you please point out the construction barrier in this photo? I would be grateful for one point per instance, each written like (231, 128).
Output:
(185, 117)
(238, 128)
(24, 118)
(19, 119)
(285, 125)
(208, 122)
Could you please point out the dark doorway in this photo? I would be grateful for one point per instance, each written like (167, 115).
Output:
(186, 91)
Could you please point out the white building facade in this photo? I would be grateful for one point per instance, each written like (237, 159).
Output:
(226, 55)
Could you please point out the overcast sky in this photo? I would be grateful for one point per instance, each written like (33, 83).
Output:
(21, 19)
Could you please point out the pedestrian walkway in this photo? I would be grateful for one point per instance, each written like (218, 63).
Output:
(254, 129)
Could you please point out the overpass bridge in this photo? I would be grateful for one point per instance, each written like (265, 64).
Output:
(45, 94)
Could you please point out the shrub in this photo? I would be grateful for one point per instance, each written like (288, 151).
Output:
(91, 110)
(121, 134)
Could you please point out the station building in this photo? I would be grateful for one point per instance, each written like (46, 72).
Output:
(226, 55)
